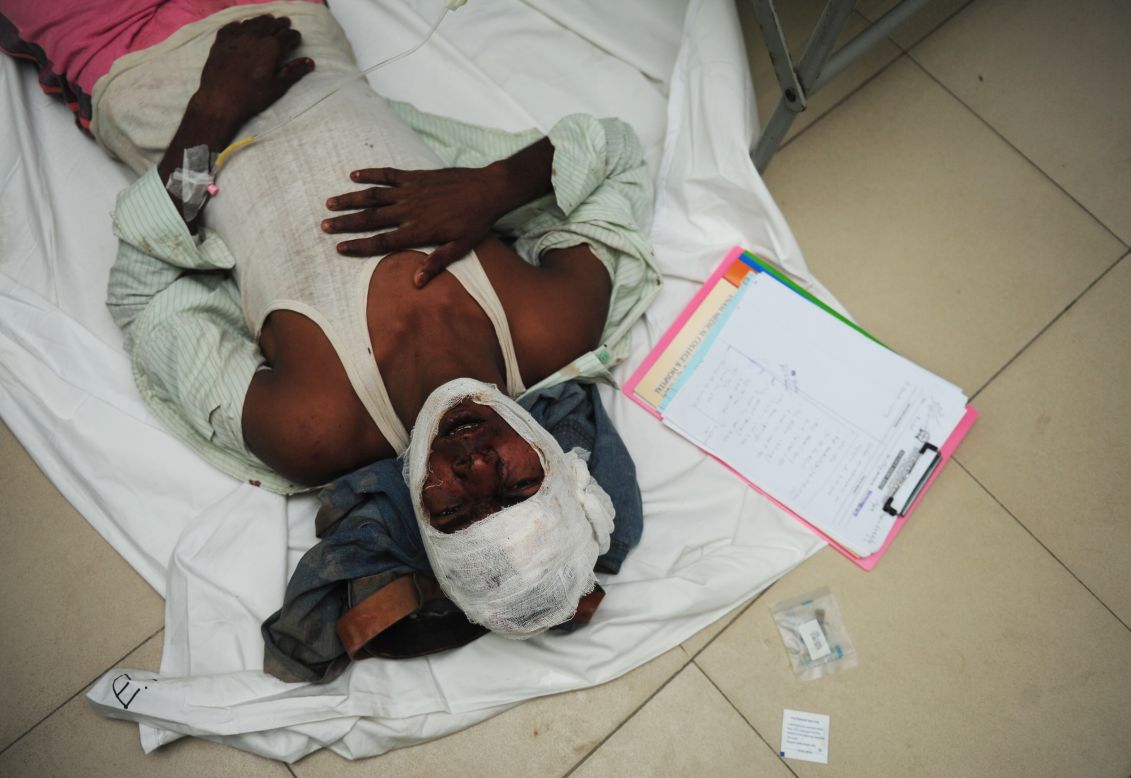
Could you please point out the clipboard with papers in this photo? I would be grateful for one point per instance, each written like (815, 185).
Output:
(805, 406)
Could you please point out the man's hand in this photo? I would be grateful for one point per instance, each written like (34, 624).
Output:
(241, 77)
(453, 208)
(247, 71)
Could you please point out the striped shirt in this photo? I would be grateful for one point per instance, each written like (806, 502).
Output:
(193, 357)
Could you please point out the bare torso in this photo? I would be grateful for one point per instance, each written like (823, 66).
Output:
(303, 418)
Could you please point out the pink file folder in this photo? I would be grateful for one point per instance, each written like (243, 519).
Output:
(945, 451)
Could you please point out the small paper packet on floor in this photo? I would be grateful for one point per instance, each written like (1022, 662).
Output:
(805, 736)
(814, 635)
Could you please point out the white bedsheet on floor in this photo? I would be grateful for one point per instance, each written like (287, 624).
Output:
(220, 551)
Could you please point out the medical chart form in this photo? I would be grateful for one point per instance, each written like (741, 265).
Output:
(826, 421)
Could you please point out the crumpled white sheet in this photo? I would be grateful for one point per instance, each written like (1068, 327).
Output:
(220, 551)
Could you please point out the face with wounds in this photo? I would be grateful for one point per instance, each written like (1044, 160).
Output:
(511, 523)
(478, 465)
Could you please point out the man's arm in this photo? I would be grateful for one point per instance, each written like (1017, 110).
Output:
(244, 74)
(455, 207)
(241, 77)
(171, 292)
(583, 162)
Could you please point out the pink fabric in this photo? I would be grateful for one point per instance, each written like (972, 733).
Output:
(82, 38)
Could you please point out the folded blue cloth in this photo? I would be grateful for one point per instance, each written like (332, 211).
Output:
(367, 528)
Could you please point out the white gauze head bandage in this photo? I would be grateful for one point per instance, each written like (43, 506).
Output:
(522, 570)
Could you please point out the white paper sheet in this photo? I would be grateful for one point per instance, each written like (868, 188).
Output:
(822, 418)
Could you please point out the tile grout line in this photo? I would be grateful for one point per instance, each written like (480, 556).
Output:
(684, 666)
(82, 688)
(737, 616)
(907, 52)
(626, 719)
(903, 52)
(690, 660)
(776, 753)
(1042, 545)
(929, 33)
(900, 52)
(835, 105)
(637, 709)
(1019, 152)
(1028, 344)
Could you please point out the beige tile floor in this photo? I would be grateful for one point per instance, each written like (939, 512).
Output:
(966, 192)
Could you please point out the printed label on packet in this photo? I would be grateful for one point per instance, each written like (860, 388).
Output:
(815, 641)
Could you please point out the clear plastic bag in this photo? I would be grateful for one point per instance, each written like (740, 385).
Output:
(814, 635)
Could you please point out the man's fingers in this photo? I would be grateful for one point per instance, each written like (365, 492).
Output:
(294, 70)
(359, 248)
(366, 198)
(288, 38)
(361, 221)
(263, 23)
(385, 243)
(437, 261)
(385, 176)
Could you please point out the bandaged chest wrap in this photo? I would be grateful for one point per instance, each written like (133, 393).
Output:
(522, 570)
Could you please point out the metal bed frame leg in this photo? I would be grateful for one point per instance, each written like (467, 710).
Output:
(818, 65)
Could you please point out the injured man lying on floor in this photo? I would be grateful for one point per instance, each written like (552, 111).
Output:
(289, 357)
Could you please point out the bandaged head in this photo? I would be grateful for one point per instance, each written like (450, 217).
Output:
(523, 568)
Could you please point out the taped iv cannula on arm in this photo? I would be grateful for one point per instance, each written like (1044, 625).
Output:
(246, 141)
